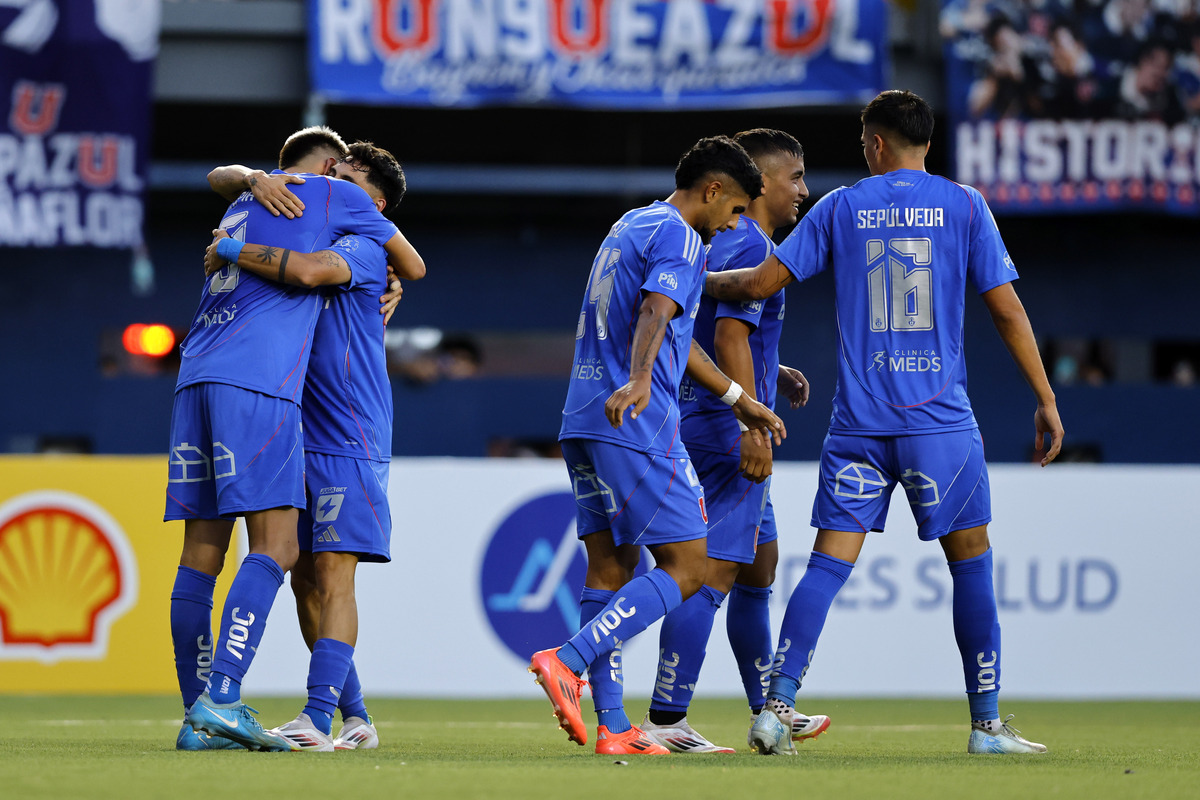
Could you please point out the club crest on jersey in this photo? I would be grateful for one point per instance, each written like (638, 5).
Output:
(667, 280)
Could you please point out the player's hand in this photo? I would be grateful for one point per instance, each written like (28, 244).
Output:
(635, 394)
(271, 191)
(1045, 420)
(755, 457)
(212, 261)
(793, 385)
(758, 418)
(390, 298)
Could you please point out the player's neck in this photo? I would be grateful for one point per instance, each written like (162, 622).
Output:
(689, 206)
(758, 212)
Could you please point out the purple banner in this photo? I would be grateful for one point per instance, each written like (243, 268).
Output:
(75, 100)
(1075, 107)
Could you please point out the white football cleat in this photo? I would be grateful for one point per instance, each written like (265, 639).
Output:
(679, 737)
(771, 734)
(806, 727)
(357, 734)
(1005, 740)
(301, 734)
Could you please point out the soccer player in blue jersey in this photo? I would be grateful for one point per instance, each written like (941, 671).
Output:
(903, 246)
(633, 481)
(743, 339)
(347, 415)
(236, 445)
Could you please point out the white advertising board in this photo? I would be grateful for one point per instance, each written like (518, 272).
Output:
(1094, 578)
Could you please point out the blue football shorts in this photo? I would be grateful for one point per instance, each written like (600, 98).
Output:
(943, 474)
(735, 507)
(233, 451)
(643, 499)
(348, 509)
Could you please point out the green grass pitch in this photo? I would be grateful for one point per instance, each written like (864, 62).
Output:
(118, 747)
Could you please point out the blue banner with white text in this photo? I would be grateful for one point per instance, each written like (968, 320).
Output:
(75, 102)
(613, 54)
(1060, 107)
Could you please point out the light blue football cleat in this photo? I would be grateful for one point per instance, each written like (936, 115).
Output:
(1005, 740)
(234, 721)
(189, 739)
(771, 734)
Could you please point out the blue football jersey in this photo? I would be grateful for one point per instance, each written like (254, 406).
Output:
(650, 249)
(347, 406)
(903, 247)
(708, 424)
(256, 333)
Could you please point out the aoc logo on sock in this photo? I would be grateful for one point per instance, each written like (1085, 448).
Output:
(533, 573)
(67, 572)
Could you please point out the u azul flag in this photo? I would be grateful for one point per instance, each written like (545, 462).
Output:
(75, 97)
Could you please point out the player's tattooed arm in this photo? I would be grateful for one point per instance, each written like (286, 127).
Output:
(269, 190)
(755, 283)
(656, 312)
(753, 414)
(310, 270)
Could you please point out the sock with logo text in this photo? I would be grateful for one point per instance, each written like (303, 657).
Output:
(635, 607)
(977, 631)
(683, 642)
(327, 670)
(352, 703)
(748, 623)
(243, 621)
(604, 674)
(803, 621)
(191, 630)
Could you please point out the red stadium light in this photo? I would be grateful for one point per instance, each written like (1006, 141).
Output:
(148, 340)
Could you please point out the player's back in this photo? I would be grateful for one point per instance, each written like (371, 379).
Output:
(904, 247)
(256, 333)
(347, 406)
(649, 249)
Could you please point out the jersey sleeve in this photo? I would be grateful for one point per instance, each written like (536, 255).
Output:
(988, 263)
(355, 213)
(368, 265)
(674, 262)
(807, 249)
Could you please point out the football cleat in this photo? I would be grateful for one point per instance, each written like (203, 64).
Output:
(679, 737)
(189, 739)
(1005, 740)
(564, 689)
(771, 734)
(357, 734)
(805, 727)
(633, 742)
(234, 721)
(303, 735)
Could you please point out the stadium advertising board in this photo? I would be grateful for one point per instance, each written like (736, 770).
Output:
(1056, 110)
(75, 96)
(599, 53)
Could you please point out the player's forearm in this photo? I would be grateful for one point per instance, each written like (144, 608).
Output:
(756, 283)
(231, 180)
(732, 346)
(705, 372)
(647, 340)
(405, 260)
(1012, 323)
(309, 270)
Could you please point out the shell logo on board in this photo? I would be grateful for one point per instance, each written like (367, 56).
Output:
(67, 573)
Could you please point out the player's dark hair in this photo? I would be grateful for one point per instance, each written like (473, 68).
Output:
(902, 112)
(385, 172)
(303, 143)
(758, 142)
(718, 155)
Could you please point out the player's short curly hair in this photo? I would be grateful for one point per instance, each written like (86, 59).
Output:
(902, 112)
(306, 141)
(759, 142)
(718, 155)
(385, 172)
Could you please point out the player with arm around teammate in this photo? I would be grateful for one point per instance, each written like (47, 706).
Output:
(903, 245)
(734, 470)
(236, 445)
(347, 414)
(633, 481)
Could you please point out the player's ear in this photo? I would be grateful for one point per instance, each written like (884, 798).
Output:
(329, 164)
(381, 204)
(712, 190)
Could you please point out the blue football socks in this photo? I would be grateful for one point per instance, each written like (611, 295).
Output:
(327, 670)
(191, 630)
(604, 674)
(352, 703)
(243, 621)
(683, 642)
(635, 607)
(977, 631)
(748, 623)
(803, 621)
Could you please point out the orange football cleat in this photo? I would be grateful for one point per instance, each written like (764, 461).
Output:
(564, 689)
(632, 742)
